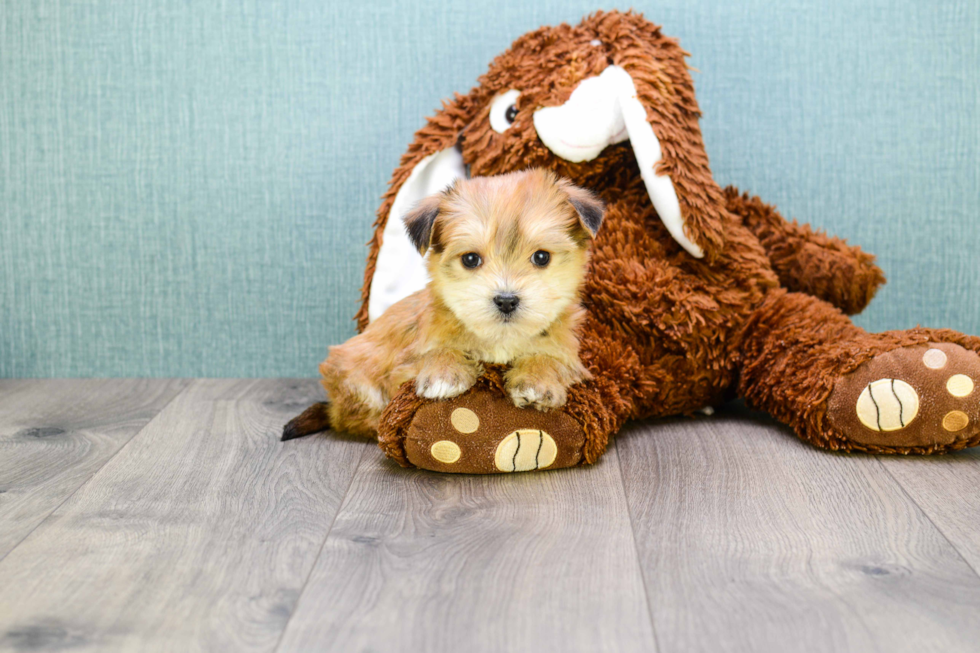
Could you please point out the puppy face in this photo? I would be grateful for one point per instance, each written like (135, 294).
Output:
(507, 254)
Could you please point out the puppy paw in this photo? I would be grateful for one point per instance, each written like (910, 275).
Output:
(444, 384)
(537, 394)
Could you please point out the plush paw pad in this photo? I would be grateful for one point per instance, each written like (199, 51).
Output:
(484, 433)
(446, 451)
(919, 396)
(525, 450)
(888, 405)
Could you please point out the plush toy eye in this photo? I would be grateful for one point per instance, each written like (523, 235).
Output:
(541, 258)
(471, 260)
(503, 111)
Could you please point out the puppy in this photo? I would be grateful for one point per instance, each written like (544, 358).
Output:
(506, 257)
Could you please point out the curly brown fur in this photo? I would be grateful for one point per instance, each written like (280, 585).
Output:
(808, 261)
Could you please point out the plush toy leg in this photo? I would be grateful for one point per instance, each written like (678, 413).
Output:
(808, 261)
(482, 432)
(843, 388)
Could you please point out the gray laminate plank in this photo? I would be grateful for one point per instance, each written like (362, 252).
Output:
(427, 562)
(198, 535)
(753, 541)
(54, 435)
(947, 488)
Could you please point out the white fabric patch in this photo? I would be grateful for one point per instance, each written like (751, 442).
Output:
(602, 111)
(400, 269)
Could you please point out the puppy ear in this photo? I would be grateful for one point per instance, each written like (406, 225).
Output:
(420, 220)
(591, 210)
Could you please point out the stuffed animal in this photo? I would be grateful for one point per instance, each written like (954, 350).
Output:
(695, 294)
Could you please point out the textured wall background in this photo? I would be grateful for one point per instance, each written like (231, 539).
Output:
(186, 187)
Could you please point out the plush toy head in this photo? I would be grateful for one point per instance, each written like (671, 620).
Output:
(584, 101)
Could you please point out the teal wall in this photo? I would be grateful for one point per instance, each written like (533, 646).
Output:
(186, 187)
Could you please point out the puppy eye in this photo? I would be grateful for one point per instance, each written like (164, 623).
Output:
(541, 258)
(503, 111)
(471, 260)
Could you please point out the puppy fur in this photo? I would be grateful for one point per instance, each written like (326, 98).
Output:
(441, 335)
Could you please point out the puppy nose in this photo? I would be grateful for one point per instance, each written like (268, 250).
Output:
(507, 303)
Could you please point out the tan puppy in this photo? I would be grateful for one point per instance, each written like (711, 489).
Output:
(506, 257)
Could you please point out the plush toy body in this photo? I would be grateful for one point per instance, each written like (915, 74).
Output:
(695, 295)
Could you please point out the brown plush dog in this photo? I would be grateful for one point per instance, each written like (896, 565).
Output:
(695, 294)
(506, 257)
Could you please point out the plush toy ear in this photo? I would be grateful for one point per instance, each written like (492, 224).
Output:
(646, 96)
(590, 208)
(603, 111)
(420, 220)
(398, 269)
(394, 267)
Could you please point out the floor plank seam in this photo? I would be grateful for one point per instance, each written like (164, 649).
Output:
(323, 544)
(908, 496)
(636, 551)
(96, 472)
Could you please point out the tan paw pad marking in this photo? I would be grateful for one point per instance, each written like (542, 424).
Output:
(524, 450)
(956, 421)
(960, 385)
(887, 405)
(935, 359)
(464, 420)
(445, 451)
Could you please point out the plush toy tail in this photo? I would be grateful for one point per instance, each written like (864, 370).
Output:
(312, 420)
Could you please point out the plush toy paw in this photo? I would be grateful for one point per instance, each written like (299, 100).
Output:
(482, 432)
(923, 397)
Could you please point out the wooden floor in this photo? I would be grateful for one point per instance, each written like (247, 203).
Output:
(144, 515)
